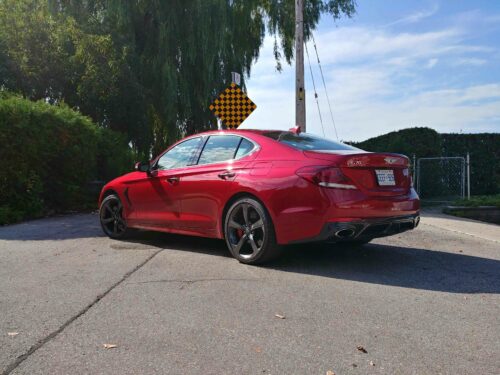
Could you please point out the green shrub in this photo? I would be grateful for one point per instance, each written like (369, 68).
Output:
(423, 142)
(479, 200)
(484, 152)
(49, 154)
(114, 157)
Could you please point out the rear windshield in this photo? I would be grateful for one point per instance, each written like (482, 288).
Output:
(304, 141)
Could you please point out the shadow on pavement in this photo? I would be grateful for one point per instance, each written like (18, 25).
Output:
(405, 267)
(168, 241)
(64, 227)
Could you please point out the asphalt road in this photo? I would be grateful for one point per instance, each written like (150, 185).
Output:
(424, 302)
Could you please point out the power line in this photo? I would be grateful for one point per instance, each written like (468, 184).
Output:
(315, 92)
(324, 85)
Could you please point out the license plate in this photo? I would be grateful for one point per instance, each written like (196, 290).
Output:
(385, 177)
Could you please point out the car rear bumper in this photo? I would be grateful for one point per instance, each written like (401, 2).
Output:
(315, 210)
(346, 231)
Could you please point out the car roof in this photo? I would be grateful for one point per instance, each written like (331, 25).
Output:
(256, 135)
(239, 131)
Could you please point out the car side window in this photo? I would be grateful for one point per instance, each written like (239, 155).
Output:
(181, 155)
(219, 148)
(245, 148)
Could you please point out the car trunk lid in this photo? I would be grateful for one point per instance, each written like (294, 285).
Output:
(377, 174)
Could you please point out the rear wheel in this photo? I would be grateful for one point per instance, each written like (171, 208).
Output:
(111, 216)
(249, 232)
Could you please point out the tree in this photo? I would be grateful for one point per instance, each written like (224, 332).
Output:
(148, 68)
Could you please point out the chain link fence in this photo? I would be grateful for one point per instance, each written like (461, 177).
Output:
(442, 179)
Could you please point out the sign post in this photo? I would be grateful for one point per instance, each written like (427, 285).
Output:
(236, 78)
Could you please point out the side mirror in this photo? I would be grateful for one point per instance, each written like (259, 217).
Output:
(143, 166)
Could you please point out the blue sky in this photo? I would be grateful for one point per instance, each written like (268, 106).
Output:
(394, 65)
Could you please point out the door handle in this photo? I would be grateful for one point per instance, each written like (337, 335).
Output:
(173, 180)
(227, 174)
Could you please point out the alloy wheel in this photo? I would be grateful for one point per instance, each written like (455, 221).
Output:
(112, 217)
(246, 232)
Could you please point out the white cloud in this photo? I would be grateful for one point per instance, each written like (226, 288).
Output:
(355, 44)
(458, 97)
(471, 61)
(432, 62)
(416, 16)
(379, 81)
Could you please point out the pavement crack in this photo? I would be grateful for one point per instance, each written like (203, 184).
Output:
(55, 333)
(191, 281)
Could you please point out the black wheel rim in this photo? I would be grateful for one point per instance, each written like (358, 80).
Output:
(112, 218)
(245, 232)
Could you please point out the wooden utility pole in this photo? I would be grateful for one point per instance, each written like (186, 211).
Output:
(300, 92)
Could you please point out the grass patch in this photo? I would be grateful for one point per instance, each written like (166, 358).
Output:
(479, 200)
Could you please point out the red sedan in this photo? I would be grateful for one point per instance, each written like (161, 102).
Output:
(261, 189)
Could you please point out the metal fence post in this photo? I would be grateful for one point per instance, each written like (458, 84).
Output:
(418, 176)
(463, 180)
(468, 176)
(414, 169)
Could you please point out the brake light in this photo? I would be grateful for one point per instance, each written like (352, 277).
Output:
(408, 176)
(329, 177)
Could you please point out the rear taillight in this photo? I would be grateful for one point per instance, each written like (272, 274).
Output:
(408, 176)
(329, 177)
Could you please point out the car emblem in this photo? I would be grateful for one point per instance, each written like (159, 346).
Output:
(391, 160)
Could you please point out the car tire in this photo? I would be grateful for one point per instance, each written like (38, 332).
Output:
(249, 232)
(111, 217)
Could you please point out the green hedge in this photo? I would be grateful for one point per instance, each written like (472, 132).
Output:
(423, 142)
(479, 200)
(484, 152)
(50, 154)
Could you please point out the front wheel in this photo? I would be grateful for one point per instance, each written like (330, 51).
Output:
(111, 216)
(249, 232)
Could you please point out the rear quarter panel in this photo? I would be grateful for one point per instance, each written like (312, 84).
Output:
(295, 206)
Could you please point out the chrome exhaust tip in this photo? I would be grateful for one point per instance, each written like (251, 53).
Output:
(416, 222)
(345, 233)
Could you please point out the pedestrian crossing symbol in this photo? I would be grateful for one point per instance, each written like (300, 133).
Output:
(232, 106)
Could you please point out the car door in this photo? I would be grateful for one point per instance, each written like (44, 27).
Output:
(207, 185)
(156, 196)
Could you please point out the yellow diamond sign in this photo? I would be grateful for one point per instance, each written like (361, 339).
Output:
(232, 106)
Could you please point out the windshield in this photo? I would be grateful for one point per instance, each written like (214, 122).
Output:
(307, 142)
